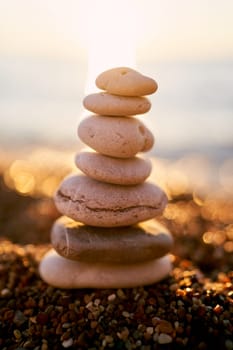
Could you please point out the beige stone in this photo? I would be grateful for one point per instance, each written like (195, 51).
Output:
(118, 137)
(63, 273)
(106, 205)
(127, 171)
(120, 245)
(126, 81)
(113, 105)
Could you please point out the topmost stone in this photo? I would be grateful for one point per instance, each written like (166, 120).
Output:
(125, 81)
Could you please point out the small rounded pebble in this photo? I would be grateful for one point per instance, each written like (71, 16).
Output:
(67, 343)
(112, 297)
(5, 292)
(150, 330)
(17, 334)
(113, 105)
(164, 338)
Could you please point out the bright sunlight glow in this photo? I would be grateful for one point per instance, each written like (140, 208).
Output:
(110, 38)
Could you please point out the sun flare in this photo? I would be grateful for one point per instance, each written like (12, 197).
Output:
(110, 36)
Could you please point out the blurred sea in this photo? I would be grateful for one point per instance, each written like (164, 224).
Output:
(192, 111)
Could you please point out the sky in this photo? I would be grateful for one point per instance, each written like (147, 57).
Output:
(52, 50)
(154, 29)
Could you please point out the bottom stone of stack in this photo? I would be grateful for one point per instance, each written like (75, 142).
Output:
(63, 273)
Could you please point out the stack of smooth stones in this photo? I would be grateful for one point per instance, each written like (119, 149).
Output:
(108, 237)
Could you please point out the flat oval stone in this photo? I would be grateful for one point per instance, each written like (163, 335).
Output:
(126, 82)
(129, 171)
(64, 273)
(118, 137)
(114, 105)
(101, 204)
(122, 245)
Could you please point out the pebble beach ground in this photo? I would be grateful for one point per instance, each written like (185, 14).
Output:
(191, 309)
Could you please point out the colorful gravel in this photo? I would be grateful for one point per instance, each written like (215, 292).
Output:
(191, 309)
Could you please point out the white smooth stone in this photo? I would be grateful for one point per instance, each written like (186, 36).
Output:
(63, 273)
